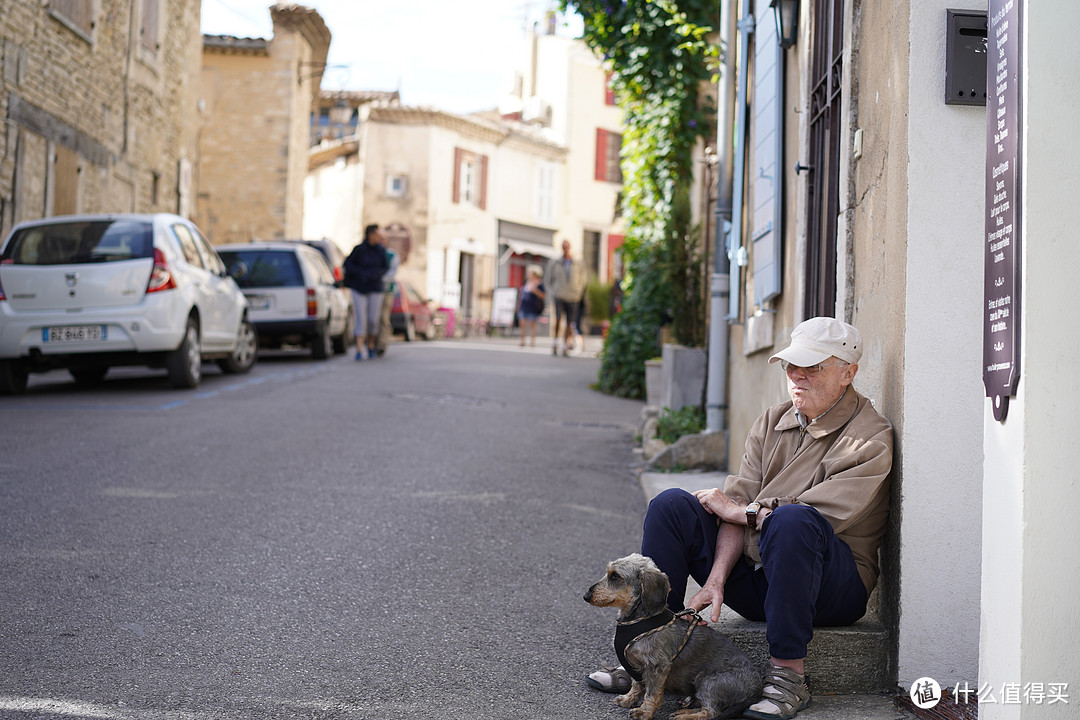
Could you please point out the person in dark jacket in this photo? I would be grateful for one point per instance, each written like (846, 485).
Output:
(364, 270)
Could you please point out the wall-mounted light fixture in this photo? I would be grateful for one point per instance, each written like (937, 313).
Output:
(340, 112)
(787, 21)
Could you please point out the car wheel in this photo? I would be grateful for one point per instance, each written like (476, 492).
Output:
(321, 344)
(90, 374)
(410, 328)
(346, 339)
(185, 362)
(246, 353)
(13, 377)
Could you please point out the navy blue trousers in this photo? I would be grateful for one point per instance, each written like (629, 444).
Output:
(807, 575)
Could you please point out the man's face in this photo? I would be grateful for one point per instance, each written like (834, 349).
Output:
(566, 248)
(813, 393)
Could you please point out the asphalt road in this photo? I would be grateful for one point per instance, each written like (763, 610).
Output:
(404, 538)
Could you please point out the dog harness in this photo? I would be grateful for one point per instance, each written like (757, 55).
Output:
(627, 633)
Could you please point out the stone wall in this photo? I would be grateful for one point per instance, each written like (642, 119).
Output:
(100, 115)
(257, 96)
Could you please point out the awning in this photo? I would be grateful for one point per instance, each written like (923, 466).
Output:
(519, 247)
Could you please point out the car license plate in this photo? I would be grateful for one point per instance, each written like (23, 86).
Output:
(258, 302)
(73, 333)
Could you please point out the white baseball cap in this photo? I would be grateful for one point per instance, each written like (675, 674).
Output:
(816, 340)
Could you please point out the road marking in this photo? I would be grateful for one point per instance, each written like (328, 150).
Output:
(282, 376)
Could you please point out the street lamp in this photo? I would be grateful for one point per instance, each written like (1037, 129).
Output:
(787, 21)
(341, 112)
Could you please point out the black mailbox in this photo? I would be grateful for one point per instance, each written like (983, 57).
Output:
(965, 58)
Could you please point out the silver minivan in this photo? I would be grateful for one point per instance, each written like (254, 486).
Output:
(293, 297)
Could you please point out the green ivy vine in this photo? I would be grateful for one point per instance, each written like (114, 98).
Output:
(661, 59)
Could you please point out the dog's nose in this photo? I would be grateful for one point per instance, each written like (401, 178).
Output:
(587, 597)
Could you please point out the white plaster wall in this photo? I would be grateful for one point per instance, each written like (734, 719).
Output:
(1031, 577)
(940, 533)
(333, 202)
(573, 80)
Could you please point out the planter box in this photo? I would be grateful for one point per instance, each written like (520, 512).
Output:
(653, 382)
(683, 376)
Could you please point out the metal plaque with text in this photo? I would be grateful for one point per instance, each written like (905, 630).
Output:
(1001, 289)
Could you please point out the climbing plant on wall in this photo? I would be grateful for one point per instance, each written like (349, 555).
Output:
(661, 61)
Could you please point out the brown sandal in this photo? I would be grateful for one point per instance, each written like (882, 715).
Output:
(784, 696)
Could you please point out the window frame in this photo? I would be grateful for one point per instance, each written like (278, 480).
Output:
(470, 178)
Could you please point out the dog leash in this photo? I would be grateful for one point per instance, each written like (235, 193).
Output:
(685, 614)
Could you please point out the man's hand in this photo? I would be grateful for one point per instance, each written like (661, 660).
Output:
(712, 595)
(720, 505)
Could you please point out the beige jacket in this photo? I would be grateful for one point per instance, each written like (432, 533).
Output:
(839, 465)
(569, 287)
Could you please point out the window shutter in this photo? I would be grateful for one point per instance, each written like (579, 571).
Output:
(482, 204)
(766, 232)
(457, 175)
(149, 30)
(78, 12)
(601, 154)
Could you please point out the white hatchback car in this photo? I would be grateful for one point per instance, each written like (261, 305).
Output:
(87, 292)
(292, 295)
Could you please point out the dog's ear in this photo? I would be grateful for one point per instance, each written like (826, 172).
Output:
(654, 590)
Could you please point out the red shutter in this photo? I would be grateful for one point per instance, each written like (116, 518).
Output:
(609, 92)
(483, 183)
(457, 175)
(601, 154)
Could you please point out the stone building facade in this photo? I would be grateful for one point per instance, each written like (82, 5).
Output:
(257, 96)
(99, 101)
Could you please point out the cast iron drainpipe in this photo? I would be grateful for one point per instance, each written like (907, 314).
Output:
(720, 282)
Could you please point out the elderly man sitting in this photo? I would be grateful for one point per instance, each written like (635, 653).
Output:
(793, 538)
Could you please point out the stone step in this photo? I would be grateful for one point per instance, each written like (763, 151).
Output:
(839, 660)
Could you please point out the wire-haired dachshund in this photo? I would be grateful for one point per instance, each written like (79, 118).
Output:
(663, 651)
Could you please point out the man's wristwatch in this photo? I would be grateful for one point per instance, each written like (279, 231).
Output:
(751, 514)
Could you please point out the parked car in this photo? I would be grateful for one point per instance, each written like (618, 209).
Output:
(412, 314)
(292, 295)
(334, 255)
(88, 292)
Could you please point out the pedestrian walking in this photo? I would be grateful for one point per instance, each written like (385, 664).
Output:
(364, 271)
(531, 304)
(389, 287)
(565, 280)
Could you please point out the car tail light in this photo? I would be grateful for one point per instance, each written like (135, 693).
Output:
(339, 274)
(312, 303)
(160, 277)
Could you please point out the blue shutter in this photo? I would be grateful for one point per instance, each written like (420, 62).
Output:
(766, 231)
